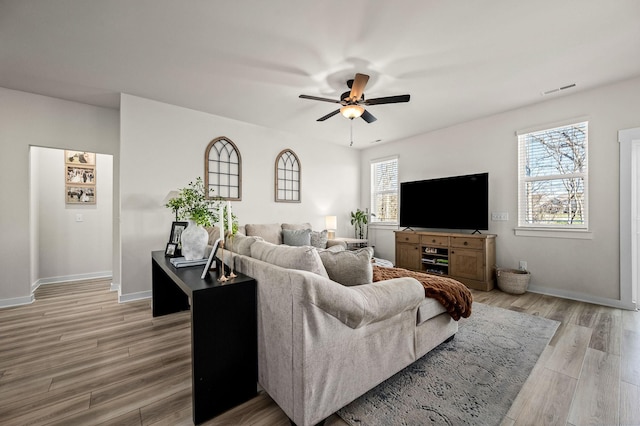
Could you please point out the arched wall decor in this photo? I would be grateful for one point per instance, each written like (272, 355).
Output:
(223, 169)
(287, 177)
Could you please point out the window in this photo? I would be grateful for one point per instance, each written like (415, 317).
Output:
(384, 191)
(287, 177)
(553, 177)
(223, 169)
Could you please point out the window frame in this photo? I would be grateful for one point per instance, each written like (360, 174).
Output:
(373, 220)
(288, 177)
(547, 229)
(220, 154)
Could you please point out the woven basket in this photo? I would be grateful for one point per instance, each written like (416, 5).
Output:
(514, 281)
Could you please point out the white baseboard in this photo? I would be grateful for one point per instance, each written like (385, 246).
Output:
(16, 301)
(581, 297)
(71, 278)
(132, 297)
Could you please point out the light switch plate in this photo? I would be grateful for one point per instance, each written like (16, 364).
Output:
(499, 216)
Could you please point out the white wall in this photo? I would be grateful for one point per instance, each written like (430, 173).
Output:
(68, 249)
(580, 269)
(162, 149)
(31, 120)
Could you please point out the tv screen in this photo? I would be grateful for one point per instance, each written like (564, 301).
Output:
(458, 202)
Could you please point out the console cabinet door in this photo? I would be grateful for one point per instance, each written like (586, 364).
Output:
(408, 256)
(467, 264)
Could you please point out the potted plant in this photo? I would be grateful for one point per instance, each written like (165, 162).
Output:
(359, 219)
(193, 205)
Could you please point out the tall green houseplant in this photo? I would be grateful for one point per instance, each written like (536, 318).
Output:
(359, 219)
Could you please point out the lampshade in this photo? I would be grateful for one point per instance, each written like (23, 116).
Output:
(170, 196)
(331, 222)
(352, 111)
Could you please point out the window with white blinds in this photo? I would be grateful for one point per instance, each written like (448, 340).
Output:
(384, 190)
(553, 178)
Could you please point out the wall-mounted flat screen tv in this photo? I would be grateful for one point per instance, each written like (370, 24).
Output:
(457, 203)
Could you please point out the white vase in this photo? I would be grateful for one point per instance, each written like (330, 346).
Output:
(194, 241)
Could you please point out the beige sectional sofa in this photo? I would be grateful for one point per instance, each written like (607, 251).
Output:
(322, 344)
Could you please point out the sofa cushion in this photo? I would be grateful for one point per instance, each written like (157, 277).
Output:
(296, 237)
(295, 226)
(305, 258)
(334, 249)
(319, 239)
(349, 267)
(271, 232)
(241, 244)
(428, 309)
(214, 234)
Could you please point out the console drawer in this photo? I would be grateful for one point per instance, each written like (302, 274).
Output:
(407, 238)
(434, 240)
(472, 243)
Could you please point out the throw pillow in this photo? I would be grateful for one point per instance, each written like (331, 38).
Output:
(241, 244)
(349, 267)
(296, 237)
(303, 258)
(319, 239)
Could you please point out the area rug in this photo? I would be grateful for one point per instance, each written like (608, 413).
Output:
(471, 380)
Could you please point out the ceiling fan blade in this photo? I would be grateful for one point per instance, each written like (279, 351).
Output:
(357, 89)
(387, 100)
(331, 114)
(368, 117)
(316, 98)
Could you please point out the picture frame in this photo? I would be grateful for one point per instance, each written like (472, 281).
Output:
(171, 250)
(176, 231)
(80, 175)
(210, 261)
(80, 157)
(79, 194)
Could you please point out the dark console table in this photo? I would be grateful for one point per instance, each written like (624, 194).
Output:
(223, 332)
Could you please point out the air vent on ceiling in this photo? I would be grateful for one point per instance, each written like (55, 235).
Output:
(559, 89)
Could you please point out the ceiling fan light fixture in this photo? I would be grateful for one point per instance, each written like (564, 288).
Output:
(351, 111)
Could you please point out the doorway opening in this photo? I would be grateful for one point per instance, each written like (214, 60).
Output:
(629, 217)
(70, 239)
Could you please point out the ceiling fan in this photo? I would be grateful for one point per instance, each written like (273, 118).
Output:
(352, 102)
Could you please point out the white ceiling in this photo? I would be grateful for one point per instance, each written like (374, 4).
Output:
(250, 59)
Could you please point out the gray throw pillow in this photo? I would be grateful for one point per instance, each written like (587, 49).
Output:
(349, 267)
(296, 237)
(319, 239)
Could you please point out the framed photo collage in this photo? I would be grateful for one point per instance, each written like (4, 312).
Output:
(80, 177)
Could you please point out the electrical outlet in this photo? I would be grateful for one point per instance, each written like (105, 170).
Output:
(499, 216)
(523, 265)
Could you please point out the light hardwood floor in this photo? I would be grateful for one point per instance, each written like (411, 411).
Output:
(77, 357)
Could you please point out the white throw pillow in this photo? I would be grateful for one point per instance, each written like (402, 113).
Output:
(241, 244)
(319, 239)
(305, 258)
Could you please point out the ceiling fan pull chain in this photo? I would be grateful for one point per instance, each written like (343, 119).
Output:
(351, 128)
